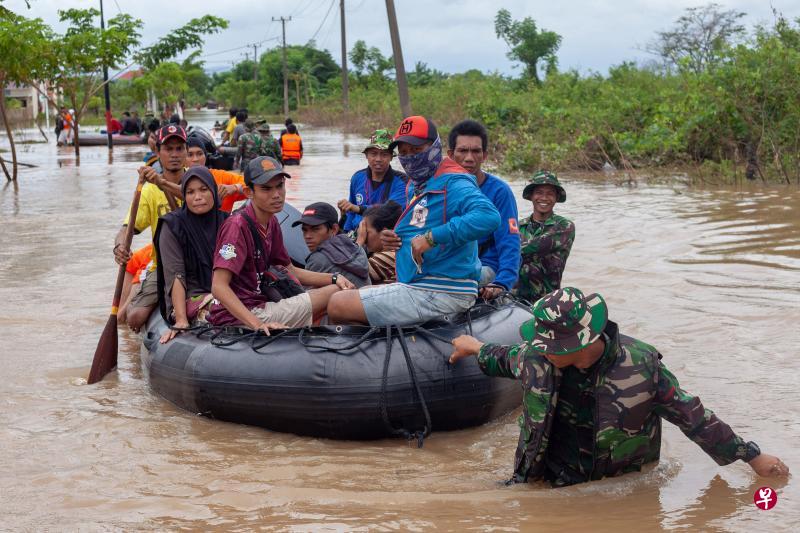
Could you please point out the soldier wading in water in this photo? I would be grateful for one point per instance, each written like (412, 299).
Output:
(594, 398)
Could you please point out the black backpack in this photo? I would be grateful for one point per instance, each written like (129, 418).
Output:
(274, 282)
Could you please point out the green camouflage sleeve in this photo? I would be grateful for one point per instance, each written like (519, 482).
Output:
(567, 238)
(698, 423)
(502, 361)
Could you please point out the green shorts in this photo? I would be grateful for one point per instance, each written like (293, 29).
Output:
(147, 296)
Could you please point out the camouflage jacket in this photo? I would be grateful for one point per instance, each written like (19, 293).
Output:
(632, 392)
(253, 144)
(545, 247)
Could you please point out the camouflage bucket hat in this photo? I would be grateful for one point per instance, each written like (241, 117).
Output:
(565, 321)
(379, 139)
(249, 124)
(544, 177)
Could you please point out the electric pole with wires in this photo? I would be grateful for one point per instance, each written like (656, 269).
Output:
(399, 67)
(285, 73)
(255, 61)
(345, 76)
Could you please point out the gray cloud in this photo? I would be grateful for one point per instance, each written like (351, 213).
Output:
(450, 35)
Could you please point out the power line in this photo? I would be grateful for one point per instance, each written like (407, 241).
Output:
(249, 45)
(323, 20)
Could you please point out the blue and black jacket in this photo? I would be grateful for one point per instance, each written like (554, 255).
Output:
(453, 209)
(362, 193)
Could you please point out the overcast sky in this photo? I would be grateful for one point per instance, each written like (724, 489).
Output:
(449, 35)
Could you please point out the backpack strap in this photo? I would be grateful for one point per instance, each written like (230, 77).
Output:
(260, 252)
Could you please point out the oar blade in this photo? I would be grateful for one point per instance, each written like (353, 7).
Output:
(105, 356)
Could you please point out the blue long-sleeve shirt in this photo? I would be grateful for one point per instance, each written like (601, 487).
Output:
(452, 208)
(501, 249)
(364, 195)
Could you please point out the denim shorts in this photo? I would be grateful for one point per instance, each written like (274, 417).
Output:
(403, 305)
(487, 276)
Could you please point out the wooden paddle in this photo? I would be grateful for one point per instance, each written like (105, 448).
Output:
(105, 356)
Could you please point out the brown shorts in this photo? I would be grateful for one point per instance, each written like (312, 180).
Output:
(295, 312)
(148, 292)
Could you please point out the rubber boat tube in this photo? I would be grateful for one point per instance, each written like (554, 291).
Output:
(344, 382)
(101, 139)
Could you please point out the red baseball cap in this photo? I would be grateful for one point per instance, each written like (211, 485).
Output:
(415, 130)
(170, 131)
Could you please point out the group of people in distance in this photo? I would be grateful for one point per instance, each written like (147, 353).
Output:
(412, 246)
(254, 139)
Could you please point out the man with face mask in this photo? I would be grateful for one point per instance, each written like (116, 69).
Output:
(435, 238)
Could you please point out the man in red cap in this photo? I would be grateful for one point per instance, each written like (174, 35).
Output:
(171, 149)
(436, 239)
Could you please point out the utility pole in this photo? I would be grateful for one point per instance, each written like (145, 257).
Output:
(345, 77)
(255, 61)
(399, 67)
(285, 74)
(105, 86)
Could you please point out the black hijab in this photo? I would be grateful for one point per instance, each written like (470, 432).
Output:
(197, 234)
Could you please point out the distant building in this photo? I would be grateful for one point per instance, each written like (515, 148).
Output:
(130, 74)
(31, 102)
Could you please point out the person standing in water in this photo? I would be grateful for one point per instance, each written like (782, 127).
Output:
(594, 398)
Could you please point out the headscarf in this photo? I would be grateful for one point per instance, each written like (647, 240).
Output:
(422, 166)
(195, 142)
(196, 234)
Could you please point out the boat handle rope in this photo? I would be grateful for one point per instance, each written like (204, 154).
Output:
(409, 435)
(355, 344)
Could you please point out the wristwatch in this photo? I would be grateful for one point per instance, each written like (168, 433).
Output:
(751, 451)
(334, 278)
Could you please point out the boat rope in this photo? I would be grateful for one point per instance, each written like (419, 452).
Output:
(346, 348)
(420, 434)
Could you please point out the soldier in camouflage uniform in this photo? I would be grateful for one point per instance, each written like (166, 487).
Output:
(254, 144)
(594, 398)
(545, 238)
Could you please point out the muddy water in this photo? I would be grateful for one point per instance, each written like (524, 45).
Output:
(708, 276)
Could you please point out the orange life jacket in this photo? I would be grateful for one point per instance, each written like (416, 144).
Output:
(290, 146)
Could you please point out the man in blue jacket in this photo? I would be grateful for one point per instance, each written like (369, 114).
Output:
(436, 239)
(499, 252)
(376, 184)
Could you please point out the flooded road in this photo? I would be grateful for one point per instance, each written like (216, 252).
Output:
(710, 277)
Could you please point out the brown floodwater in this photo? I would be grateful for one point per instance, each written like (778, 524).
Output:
(709, 276)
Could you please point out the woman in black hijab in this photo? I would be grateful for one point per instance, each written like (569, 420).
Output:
(185, 241)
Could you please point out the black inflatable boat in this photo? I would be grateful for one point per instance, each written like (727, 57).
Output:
(346, 382)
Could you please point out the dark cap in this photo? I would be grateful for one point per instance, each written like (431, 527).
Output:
(261, 170)
(415, 130)
(318, 213)
(168, 131)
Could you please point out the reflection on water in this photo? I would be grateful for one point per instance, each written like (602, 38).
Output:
(707, 276)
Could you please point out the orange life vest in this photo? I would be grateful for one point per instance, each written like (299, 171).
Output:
(290, 146)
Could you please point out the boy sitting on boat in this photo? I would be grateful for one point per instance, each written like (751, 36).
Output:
(331, 251)
(254, 279)
(376, 219)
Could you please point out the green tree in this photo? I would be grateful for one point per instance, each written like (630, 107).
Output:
(528, 44)
(25, 53)
(81, 53)
(369, 65)
(177, 41)
(699, 37)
